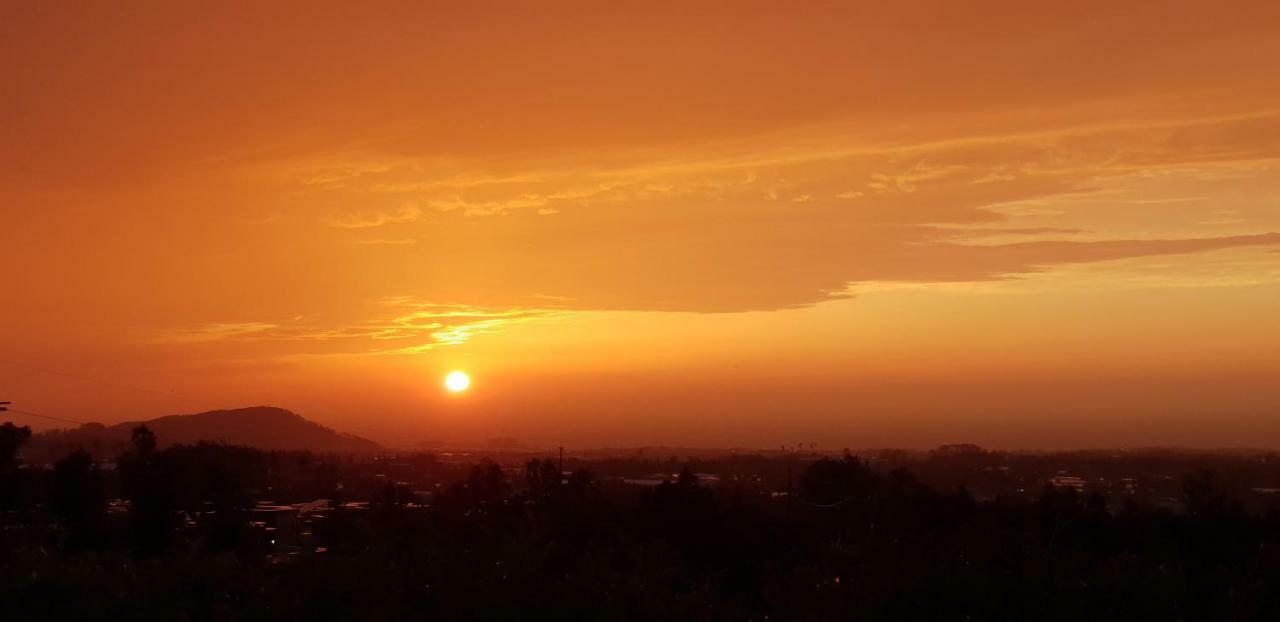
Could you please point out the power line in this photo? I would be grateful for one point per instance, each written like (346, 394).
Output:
(31, 414)
(102, 383)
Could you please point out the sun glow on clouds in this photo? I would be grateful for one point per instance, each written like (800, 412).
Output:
(351, 211)
(440, 325)
(749, 225)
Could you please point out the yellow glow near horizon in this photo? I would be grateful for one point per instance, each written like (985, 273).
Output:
(1016, 245)
(457, 381)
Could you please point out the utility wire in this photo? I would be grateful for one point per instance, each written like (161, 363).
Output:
(31, 414)
(102, 383)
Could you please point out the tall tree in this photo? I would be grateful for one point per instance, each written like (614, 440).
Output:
(148, 482)
(11, 438)
(77, 499)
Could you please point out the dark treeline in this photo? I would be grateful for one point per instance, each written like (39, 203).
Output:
(173, 534)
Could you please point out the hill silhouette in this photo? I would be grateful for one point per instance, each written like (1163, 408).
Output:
(260, 427)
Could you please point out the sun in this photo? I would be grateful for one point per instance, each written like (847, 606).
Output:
(457, 381)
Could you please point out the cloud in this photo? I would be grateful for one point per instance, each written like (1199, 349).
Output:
(699, 229)
(411, 326)
(406, 213)
(997, 261)
(387, 242)
(212, 332)
(486, 208)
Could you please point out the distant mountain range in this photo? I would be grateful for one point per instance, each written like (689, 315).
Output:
(261, 427)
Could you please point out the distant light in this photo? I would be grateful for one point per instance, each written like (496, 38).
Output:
(457, 381)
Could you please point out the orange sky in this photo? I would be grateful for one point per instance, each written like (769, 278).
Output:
(851, 224)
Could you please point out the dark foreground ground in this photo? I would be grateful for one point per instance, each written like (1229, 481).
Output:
(213, 532)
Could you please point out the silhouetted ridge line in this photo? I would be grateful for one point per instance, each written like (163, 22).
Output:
(260, 427)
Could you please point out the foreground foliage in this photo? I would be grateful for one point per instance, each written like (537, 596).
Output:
(853, 543)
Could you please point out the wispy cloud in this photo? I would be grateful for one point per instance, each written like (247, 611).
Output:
(410, 326)
(409, 212)
(780, 221)
(386, 242)
(213, 332)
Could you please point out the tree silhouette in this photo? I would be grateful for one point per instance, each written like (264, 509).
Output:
(486, 483)
(829, 482)
(541, 476)
(11, 438)
(147, 480)
(144, 441)
(77, 498)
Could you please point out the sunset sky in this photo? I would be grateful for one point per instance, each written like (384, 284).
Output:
(858, 224)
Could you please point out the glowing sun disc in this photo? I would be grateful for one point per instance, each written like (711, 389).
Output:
(457, 381)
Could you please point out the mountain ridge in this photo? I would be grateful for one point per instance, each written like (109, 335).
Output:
(268, 428)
